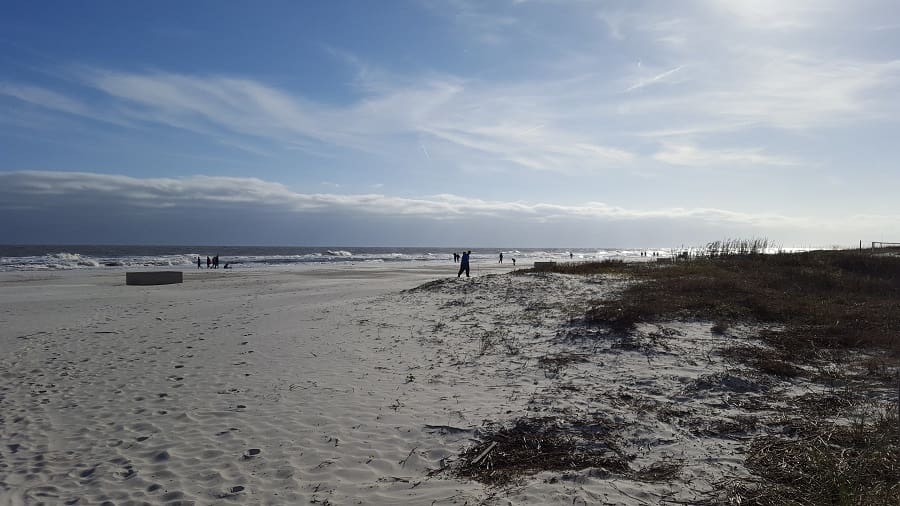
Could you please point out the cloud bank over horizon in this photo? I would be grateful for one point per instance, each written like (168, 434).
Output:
(229, 210)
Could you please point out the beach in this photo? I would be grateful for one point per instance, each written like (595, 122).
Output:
(356, 384)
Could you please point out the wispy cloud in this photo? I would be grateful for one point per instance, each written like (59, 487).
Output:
(471, 120)
(742, 74)
(692, 156)
(533, 148)
(654, 79)
(43, 97)
(707, 69)
(776, 14)
(479, 22)
(615, 22)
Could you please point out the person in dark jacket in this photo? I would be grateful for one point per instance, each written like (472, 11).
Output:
(464, 264)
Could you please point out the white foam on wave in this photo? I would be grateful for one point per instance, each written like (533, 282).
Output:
(65, 260)
(70, 260)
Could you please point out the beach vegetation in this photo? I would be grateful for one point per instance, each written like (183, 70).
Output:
(828, 317)
(580, 268)
(728, 247)
(821, 299)
(528, 445)
(842, 464)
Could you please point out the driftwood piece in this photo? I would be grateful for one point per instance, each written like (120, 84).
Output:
(484, 453)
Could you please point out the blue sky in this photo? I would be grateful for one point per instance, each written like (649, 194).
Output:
(480, 123)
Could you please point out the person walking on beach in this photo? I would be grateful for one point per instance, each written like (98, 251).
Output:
(464, 264)
(198, 262)
(208, 261)
(501, 257)
(514, 261)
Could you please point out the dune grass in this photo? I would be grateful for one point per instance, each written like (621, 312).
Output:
(818, 306)
(823, 299)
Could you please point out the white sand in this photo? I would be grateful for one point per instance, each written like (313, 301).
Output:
(326, 385)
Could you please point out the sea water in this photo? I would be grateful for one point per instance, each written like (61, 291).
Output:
(48, 257)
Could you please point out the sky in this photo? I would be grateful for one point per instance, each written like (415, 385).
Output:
(479, 123)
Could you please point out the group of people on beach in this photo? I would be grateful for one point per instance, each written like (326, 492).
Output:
(513, 259)
(211, 263)
(463, 260)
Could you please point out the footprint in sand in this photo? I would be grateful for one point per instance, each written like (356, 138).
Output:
(232, 492)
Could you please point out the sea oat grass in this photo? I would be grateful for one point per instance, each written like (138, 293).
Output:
(829, 299)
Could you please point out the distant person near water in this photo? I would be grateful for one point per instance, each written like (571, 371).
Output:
(198, 262)
(501, 257)
(208, 262)
(514, 261)
(570, 255)
(464, 264)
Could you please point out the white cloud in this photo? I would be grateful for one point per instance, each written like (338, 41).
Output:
(40, 190)
(661, 77)
(615, 22)
(692, 156)
(476, 20)
(776, 14)
(42, 97)
(778, 89)
(525, 125)
(744, 75)
(578, 112)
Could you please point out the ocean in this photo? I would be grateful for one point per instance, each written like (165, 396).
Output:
(61, 257)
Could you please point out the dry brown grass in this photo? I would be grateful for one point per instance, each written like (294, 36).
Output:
(825, 299)
(582, 268)
(766, 360)
(553, 364)
(818, 307)
(824, 305)
(532, 445)
(856, 464)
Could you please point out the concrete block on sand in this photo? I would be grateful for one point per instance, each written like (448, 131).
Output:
(153, 278)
